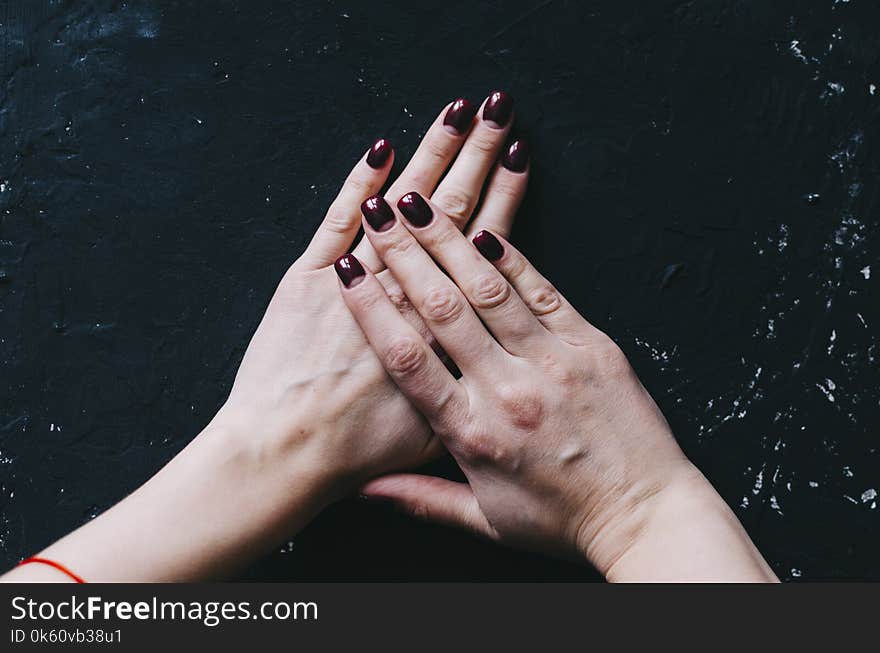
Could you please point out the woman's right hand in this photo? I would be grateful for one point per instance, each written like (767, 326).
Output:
(563, 448)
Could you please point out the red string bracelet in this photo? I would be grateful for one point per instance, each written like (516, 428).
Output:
(52, 563)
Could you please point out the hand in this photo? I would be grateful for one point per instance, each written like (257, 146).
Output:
(562, 447)
(312, 414)
(309, 381)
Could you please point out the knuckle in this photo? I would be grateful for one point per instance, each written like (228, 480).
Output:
(358, 185)
(367, 301)
(507, 190)
(437, 149)
(484, 143)
(609, 360)
(456, 203)
(543, 300)
(517, 267)
(479, 447)
(400, 300)
(486, 449)
(399, 247)
(339, 222)
(523, 406)
(442, 236)
(442, 305)
(490, 291)
(567, 371)
(405, 357)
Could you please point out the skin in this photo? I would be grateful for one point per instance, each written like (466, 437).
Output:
(563, 449)
(312, 414)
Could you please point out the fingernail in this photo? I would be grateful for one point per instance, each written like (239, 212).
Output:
(488, 245)
(460, 115)
(499, 108)
(516, 156)
(415, 210)
(349, 270)
(377, 212)
(379, 154)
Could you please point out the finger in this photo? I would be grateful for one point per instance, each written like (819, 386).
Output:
(438, 148)
(487, 291)
(438, 300)
(460, 190)
(433, 499)
(410, 314)
(343, 218)
(505, 192)
(538, 294)
(407, 358)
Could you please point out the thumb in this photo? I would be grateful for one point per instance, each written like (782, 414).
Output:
(433, 499)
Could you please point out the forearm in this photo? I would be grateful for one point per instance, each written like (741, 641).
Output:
(218, 504)
(687, 533)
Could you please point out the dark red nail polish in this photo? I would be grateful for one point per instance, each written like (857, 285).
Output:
(499, 108)
(349, 270)
(379, 154)
(460, 115)
(488, 245)
(415, 210)
(377, 212)
(516, 156)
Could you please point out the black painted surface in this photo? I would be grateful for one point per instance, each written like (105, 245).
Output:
(163, 162)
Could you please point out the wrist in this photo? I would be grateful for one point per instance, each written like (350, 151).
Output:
(683, 532)
(271, 454)
(220, 503)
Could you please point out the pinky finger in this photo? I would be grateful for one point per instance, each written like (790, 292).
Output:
(343, 219)
(543, 299)
(407, 358)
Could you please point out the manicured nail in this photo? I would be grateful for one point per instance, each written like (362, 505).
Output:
(415, 210)
(499, 108)
(516, 156)
(460, 115)
(488, 245)
(349, 270)
(377, 212)
(379, 154)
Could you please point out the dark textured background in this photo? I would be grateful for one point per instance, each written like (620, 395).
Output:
(161, 163)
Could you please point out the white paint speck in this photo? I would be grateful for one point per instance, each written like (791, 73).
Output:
(866, 271)
(795, 49)
(775, 505)
(827, 390)
(869, 495)
(759, 482)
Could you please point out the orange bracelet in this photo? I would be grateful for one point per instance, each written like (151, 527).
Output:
(52, 563)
